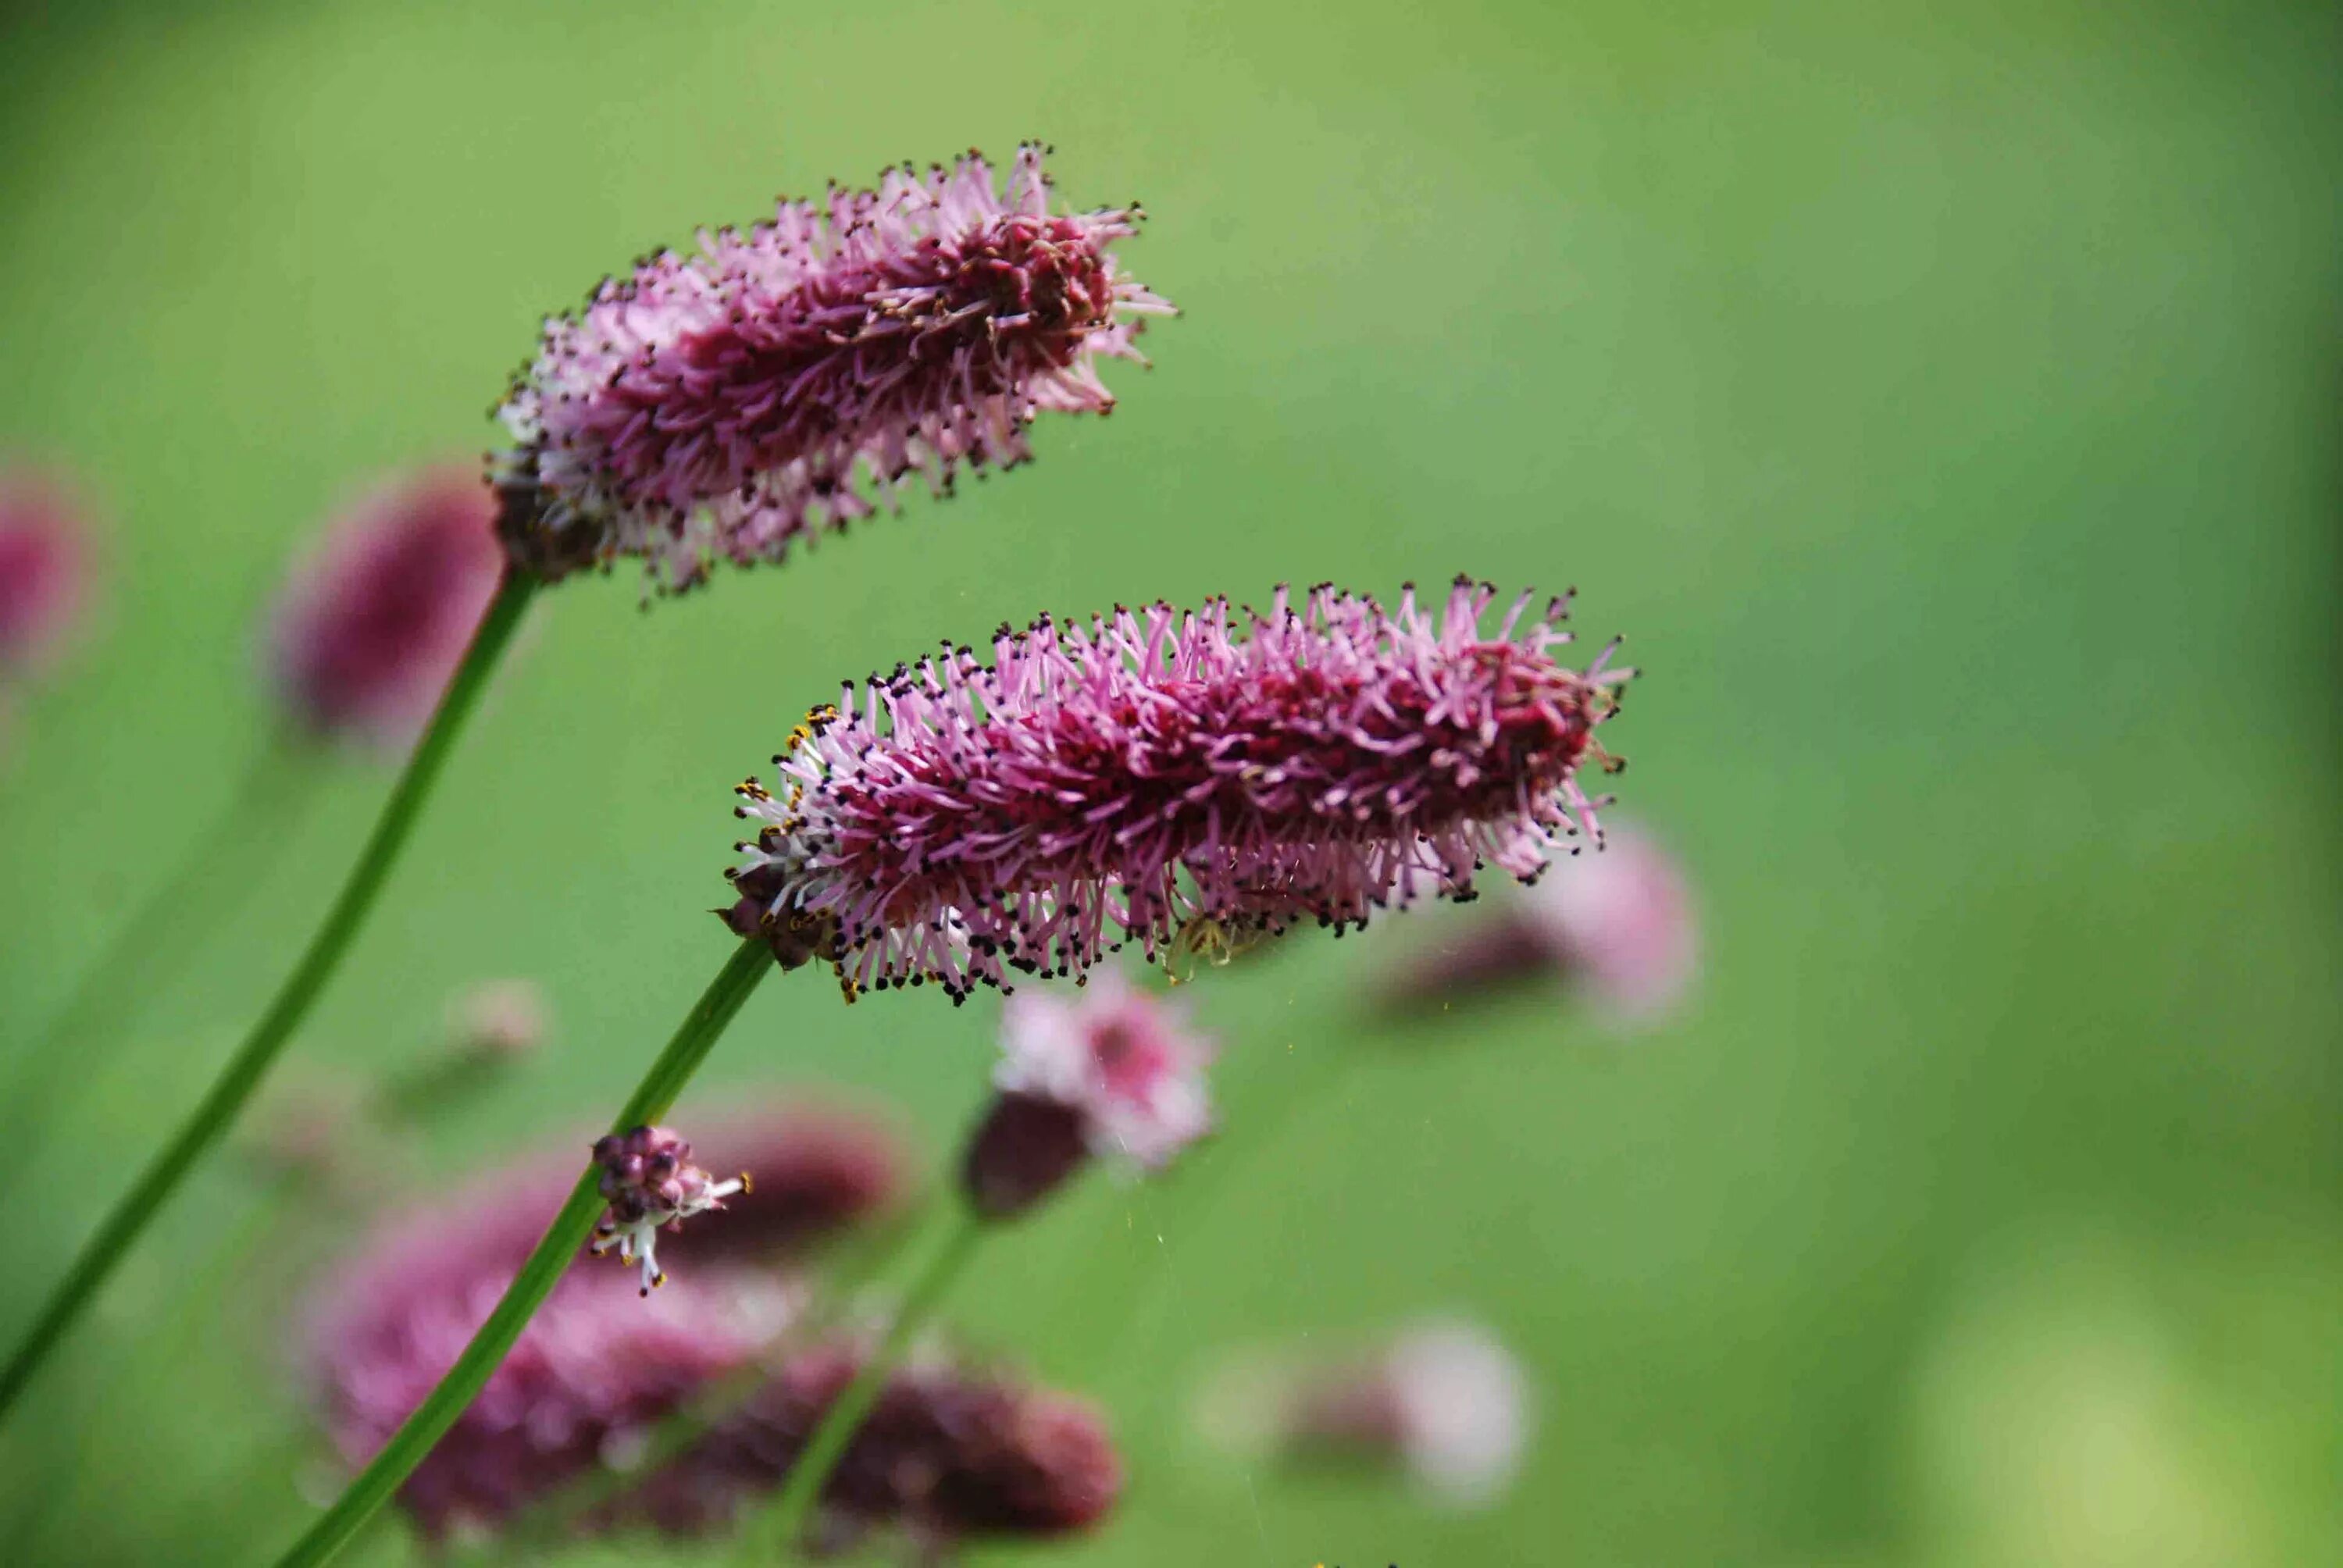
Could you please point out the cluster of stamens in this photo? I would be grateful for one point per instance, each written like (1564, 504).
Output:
(648, 1181)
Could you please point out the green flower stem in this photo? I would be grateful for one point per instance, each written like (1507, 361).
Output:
(779, 1529)
(212, 1116)
(698, 1032)
(225, 864)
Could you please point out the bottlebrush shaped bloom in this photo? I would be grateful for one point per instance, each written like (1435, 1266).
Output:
(1184, 779)
(724, 404)
(373, 624)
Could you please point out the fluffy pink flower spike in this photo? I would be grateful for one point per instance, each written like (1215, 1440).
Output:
(1186, 779)
(373, 624)
(725, 404)
(46, 562)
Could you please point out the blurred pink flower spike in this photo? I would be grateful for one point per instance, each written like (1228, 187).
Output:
(596, 1365)
(725, 404)
(1183, 779)
(48, 563)
(1617, 929)
(648, 1181)
(374, 622)
(1444, 1403)
(1112, 1074)
(948, 1454)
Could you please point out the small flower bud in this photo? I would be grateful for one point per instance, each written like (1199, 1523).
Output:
(649, 1180)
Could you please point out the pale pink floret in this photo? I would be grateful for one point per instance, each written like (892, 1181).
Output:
(1124, 1061)
(1443, 1402)
(376, 621)
(1181, 779)
(1617, 929)
(1621, 924)
(722, 404)
(48, 559)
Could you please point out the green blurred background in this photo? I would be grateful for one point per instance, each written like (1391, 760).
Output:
(1943, 398)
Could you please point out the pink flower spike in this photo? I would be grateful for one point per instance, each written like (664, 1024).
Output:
(724, 404)
(1113, 1075)
(47, 561)
(1186, 780)
(373, 624)
(1619, 927)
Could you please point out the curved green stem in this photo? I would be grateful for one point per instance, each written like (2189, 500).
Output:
(431, 1420)
(781, 1526)
(155, 942)
(217, 1110)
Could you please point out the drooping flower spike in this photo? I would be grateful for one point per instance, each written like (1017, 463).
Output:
(722, 404)
(1158, 775)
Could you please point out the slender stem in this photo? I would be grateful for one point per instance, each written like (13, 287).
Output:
(158, 938)
(701, 1027)
(780, 1528)
(217, 1110)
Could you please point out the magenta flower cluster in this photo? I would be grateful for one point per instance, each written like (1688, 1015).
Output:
(1179, 779)
(726, 403)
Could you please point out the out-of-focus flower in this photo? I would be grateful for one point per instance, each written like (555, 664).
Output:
(48, 559)
(725, 404)
(1445, 1402)
(1618, 926)
(376, 621)
(500, 1020)
(1114, 1074)
(1186, 779)
(595, 1364)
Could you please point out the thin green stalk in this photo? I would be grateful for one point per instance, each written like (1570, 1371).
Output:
(156, 941)
(699, 1031)
(780, 1528)
(212, 1116)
